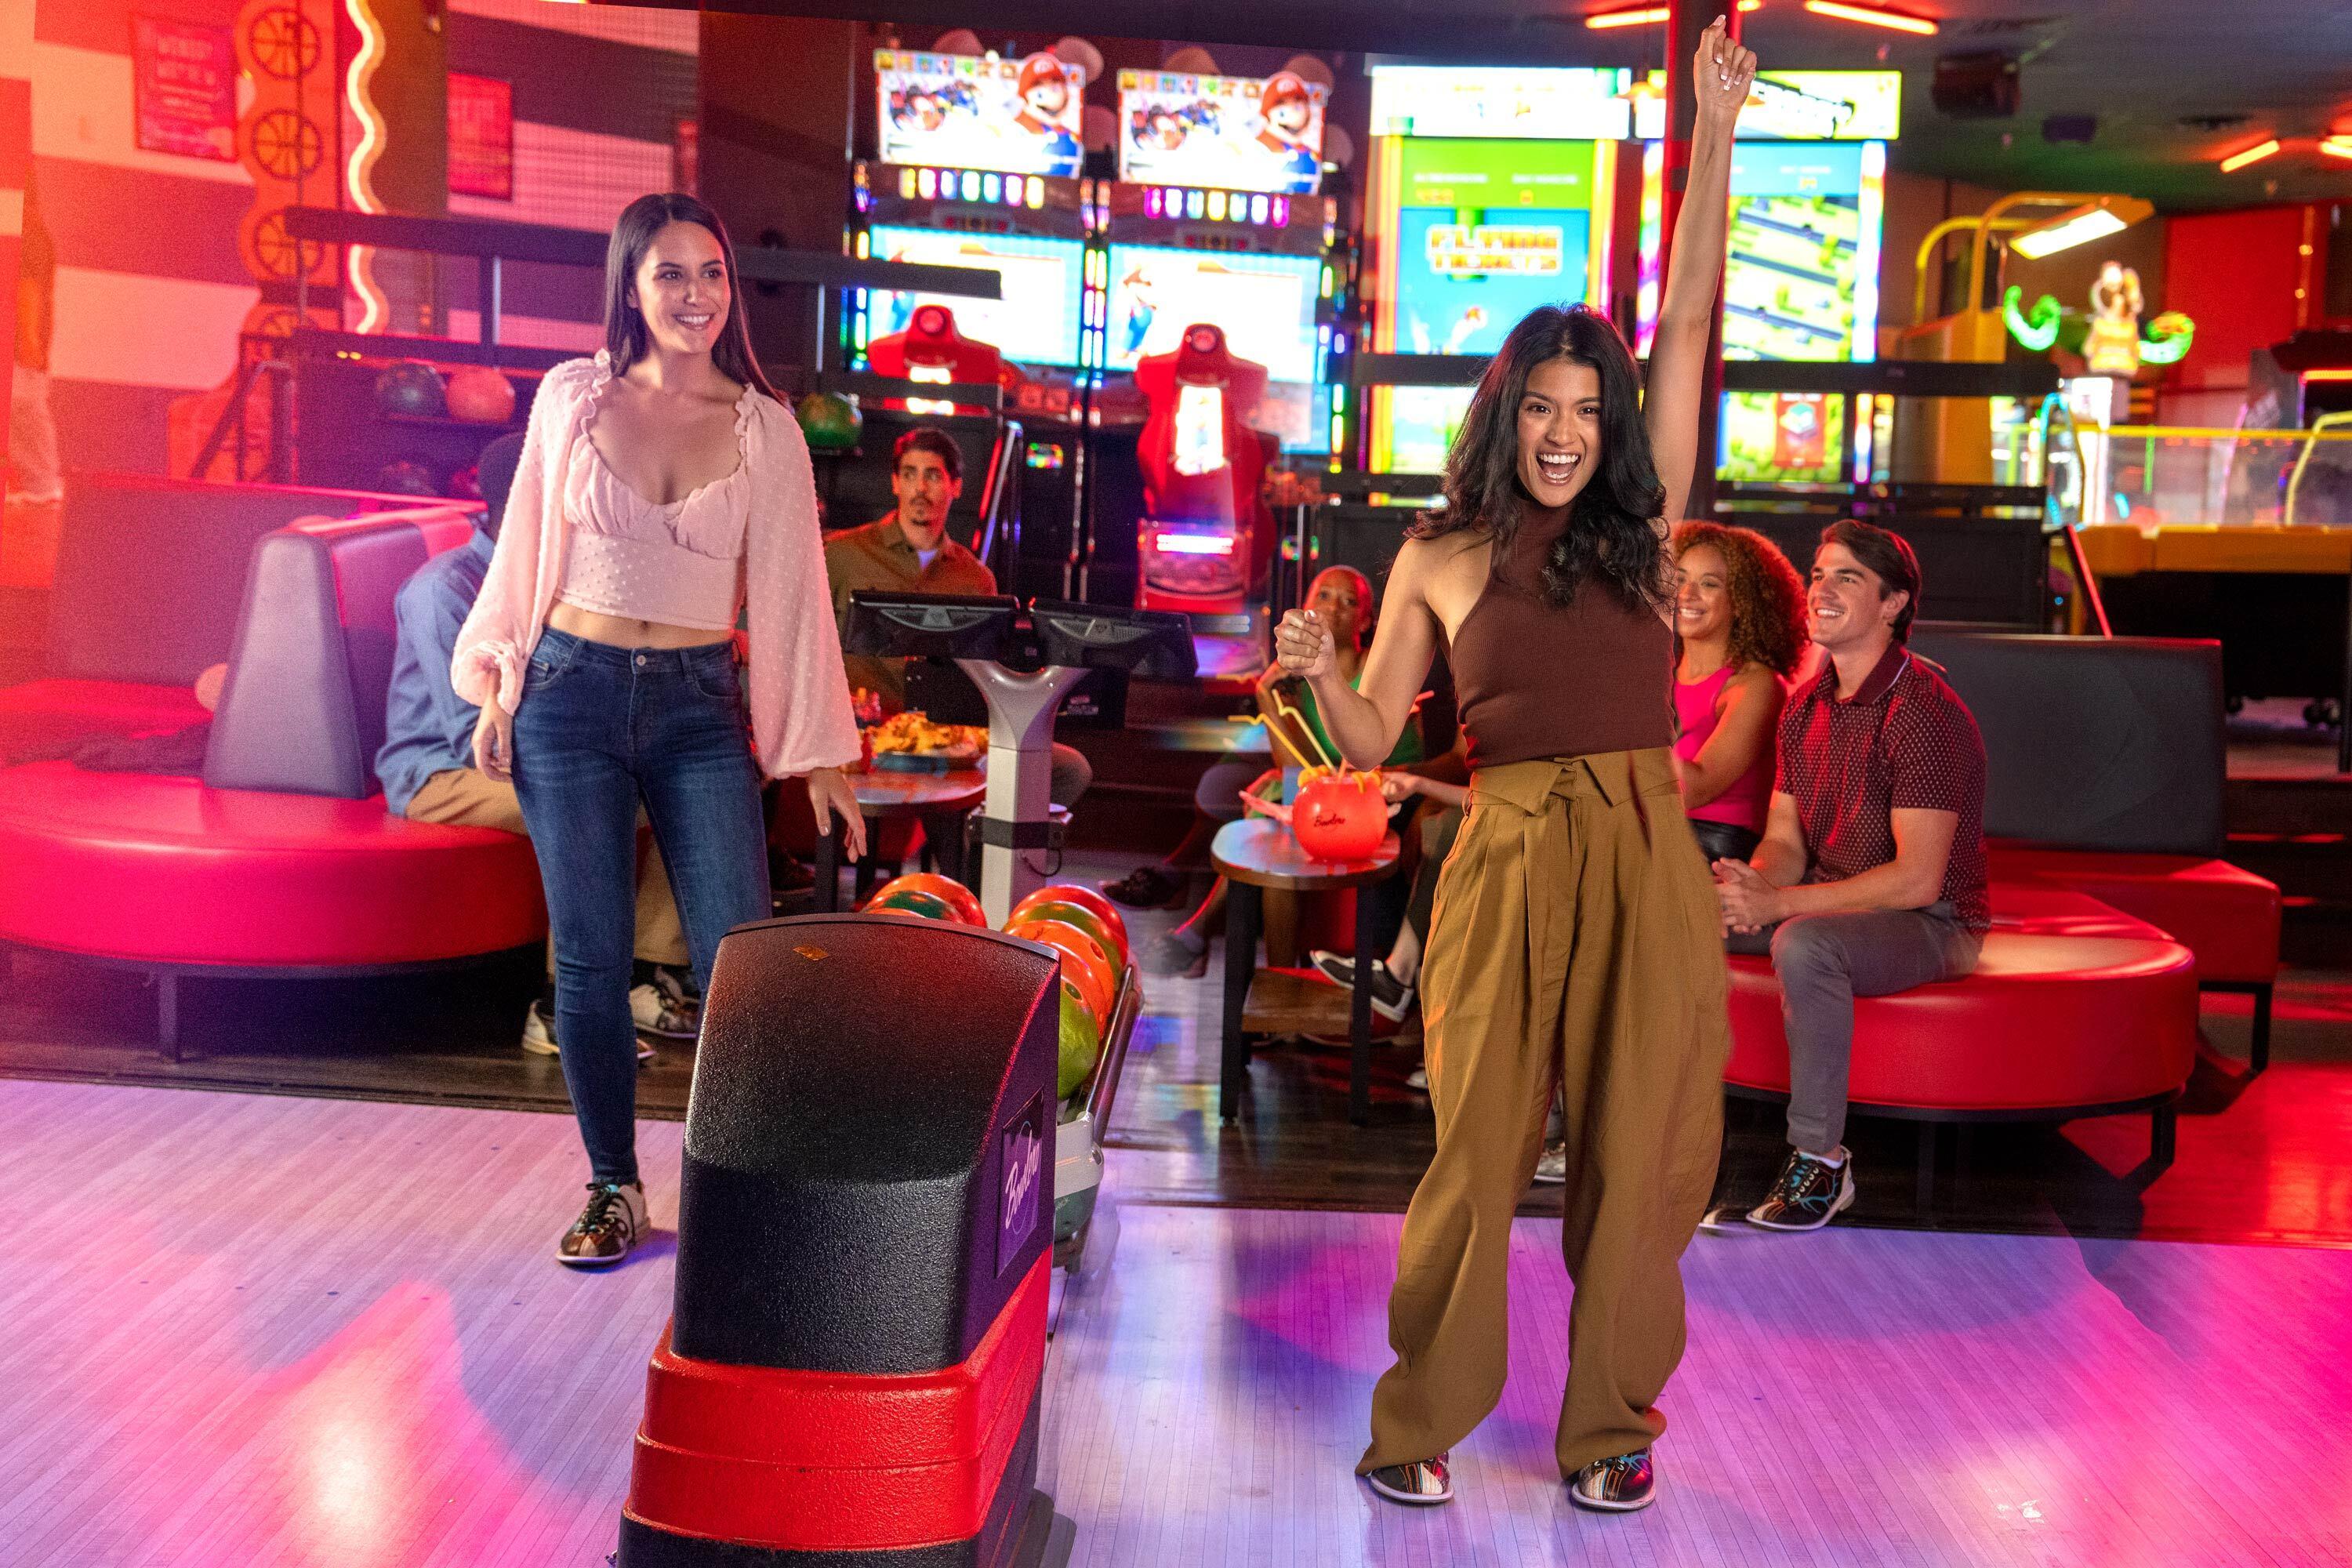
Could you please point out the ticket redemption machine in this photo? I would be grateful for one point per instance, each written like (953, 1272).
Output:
(1205, 536)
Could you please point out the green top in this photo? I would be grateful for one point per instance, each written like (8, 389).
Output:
(1408, 750)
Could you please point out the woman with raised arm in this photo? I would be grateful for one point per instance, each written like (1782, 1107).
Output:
(1575, 938)
(663, 491)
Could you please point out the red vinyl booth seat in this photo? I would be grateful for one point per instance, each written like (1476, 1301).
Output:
(41, 713)
(163, 870)
(2046, 1023)
(2227, 918)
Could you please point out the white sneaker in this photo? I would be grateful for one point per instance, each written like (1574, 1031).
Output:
(659, 1010)
(1418, 1079)
(538, 1032)
(1551, 1166)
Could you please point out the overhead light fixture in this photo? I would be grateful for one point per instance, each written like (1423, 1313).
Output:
(2254, 155)
(2079, 225)
(1646, 16)
(1872, 17)
(2337, 146)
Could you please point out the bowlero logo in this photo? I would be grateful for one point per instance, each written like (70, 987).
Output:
(1023, 1166)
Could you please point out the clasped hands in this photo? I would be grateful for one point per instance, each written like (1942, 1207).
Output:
(1750, 902)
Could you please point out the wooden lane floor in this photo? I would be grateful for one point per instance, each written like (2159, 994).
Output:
(262, 1329)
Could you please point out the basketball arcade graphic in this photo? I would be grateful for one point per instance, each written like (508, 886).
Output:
(1221, 132)
(977, 111)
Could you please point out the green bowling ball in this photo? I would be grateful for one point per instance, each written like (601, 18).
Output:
(914, 901)
(829, 421)
(1081, 1042)
(1114, 951)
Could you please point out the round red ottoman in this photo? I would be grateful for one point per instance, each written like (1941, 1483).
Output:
(148, 869)
(2046, 1023)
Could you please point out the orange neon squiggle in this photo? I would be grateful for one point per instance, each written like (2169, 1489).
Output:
(359, 172)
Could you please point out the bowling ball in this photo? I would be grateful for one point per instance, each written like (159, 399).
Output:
(960, 898)
(477, 393)
(410, 387)
(1087, 898)
(914, 901)
(464, 484)
(829, 421)
(1085, 921)
(1082, 960)
(1081, 1043)
(407, 478)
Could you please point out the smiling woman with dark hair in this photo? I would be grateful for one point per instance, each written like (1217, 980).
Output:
(663, 491)
(1575, 938)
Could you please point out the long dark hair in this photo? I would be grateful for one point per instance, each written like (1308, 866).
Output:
(627, 339)
(1609, 537)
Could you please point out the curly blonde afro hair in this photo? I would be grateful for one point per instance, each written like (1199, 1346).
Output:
(1768, 597)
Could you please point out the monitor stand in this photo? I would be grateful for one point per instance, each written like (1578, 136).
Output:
(1016, 819)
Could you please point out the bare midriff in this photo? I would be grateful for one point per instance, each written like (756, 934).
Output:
(624, 631)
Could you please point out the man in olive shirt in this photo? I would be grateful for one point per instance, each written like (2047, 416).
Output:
(908, 551)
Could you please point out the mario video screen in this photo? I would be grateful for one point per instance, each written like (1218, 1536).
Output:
(1221, 132)
(968, 111)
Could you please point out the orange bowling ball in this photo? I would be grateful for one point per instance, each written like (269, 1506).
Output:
(958, 898)
(1082, 960)
(1086, 898)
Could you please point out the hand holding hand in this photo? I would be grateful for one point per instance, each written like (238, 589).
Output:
(1303, 644)
(1721, 75)
(1750, 902)
(830, 798)
(494, 742)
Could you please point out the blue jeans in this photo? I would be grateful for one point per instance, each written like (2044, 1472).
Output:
(599, 729)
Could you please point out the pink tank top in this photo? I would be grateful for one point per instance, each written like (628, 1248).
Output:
(1746, 803)
(681, 564)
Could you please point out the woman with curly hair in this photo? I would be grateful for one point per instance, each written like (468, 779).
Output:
(1740, 631)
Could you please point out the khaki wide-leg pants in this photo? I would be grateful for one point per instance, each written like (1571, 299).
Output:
(1576, 939)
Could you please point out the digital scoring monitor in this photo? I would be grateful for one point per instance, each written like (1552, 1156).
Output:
(970, 111)
(1221, 132)
(1267, 305)
(1035, 322)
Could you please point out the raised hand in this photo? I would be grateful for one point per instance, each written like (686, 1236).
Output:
(1722, 73)
(1303, 644)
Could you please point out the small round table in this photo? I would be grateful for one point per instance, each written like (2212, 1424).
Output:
(1253, 855)
(887, 792)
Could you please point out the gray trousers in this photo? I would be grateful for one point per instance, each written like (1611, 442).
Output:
(1823, 963)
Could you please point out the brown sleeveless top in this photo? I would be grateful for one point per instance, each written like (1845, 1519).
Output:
(1539, 682)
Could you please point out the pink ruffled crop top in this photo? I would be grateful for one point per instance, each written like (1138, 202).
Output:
(572, 531)
(679, 564)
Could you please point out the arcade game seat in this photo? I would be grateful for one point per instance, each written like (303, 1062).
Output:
(1205, 535)
(931, 349)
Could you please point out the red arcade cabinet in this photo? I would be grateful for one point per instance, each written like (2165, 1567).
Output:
(931, 349)
(1205, 536)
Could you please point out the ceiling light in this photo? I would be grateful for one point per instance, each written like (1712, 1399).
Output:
(2079, 225)
(1871, 15)
(2337, 146)
(1646, 16)
(2254, 155)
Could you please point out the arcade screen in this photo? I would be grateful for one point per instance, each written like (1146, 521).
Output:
(1265, 304)
(1800, 283)
(1221, 132)
(1486, 230)
(966, 112)
(1036, 322)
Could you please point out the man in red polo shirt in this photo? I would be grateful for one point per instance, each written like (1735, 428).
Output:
(1871, 875)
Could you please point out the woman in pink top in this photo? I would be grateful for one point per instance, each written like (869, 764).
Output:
(1739, 628)
(663, 491)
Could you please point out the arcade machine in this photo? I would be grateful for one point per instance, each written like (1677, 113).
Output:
(977, 165)
(1493, 192)
(1205, 536)
(1226, 288)
(1801, 280)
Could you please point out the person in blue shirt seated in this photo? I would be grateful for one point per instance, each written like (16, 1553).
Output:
(426, 765)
